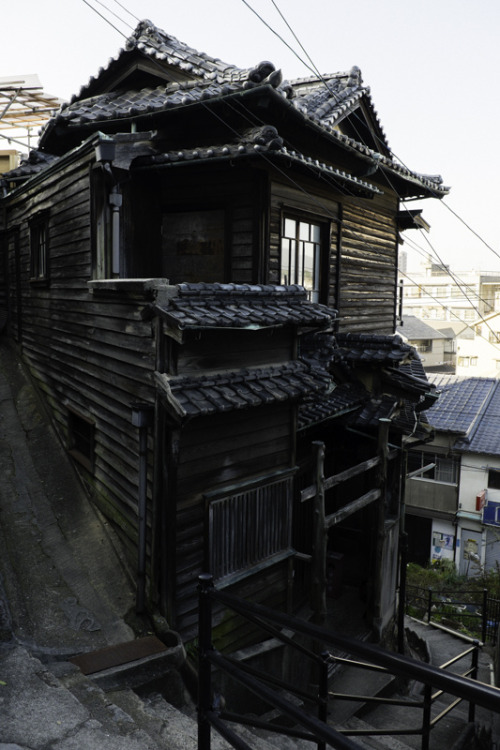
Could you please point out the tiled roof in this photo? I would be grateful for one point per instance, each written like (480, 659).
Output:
(165, 48)
(364, 348)
(323, 102)
(344, 399)
(485, 435)
(146, 101)
(330, 98)
(35, 162)
(414, 328)
(461, 403)
(264, 140)
(416, 388)
(241, 306)
(240, 389)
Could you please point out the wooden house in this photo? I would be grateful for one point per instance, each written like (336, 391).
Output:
(200, 271)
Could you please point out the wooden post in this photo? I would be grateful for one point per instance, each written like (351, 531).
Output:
(383, 435)
(318, 583)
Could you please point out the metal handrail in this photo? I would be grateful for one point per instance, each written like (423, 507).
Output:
(429, 598)
(462, 687)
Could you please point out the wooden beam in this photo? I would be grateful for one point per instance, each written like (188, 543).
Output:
(334, 518)
(353, 471)
(309, 492)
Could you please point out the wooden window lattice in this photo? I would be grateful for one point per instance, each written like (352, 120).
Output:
(250, 528)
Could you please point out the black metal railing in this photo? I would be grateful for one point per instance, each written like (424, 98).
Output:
(306, 724)
(471, 610)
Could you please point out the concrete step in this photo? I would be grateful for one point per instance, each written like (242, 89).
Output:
(357, 681)
(375, 742)
(41, 710)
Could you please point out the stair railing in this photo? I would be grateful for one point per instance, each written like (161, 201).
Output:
(211, 712)
(429, 698)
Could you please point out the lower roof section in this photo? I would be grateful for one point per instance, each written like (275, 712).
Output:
(188, 397)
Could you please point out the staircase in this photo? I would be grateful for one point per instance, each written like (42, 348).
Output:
(98, 702)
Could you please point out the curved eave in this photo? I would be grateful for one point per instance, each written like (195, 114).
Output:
(343, 180)
(415, 185)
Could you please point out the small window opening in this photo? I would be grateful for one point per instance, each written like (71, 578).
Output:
(81, 431)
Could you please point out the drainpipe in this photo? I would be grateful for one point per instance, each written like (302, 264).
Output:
(115, 201)
(142, 417)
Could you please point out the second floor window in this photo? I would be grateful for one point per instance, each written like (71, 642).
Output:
(434, 466)
(301, 255)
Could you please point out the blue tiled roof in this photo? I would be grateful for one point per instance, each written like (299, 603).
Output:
(461, 403)
(485, 436)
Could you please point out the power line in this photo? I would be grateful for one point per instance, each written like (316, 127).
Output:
(104, 17)
(452, 312)
(314, 69)
(127, 10)
(297, 185)
(103, 5)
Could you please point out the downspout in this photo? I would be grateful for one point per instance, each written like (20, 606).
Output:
(115, 201)
(142, 417)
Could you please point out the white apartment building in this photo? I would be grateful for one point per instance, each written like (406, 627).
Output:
(435, 293)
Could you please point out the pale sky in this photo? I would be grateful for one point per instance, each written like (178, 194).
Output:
(433, 67)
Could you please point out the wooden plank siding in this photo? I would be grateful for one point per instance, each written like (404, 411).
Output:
(232, 349)
(368, 262)
(361, 286)
(88, 352)
(241, 445)
(240, 193)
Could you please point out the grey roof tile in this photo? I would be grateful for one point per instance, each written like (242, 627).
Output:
(344, 399)
(264, 140)
(323, 101)
(241, 306)
(196, 396)
(485, 436)
(364, 348)
(414, 328)
(35, 162)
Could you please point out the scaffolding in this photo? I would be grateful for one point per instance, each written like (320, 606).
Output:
(24, 109)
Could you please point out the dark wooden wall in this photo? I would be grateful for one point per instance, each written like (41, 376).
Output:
(88, 352)
(362, 282)
(240, 192)
(214, 452)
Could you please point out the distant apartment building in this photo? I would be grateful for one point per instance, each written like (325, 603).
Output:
(435, 293)
(479, 356)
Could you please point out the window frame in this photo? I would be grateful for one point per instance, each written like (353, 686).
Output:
(251, 564)
(318, 291)
(493, 473)
(444, 464)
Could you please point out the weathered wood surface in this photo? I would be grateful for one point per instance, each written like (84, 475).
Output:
(242, 445)
(362, 253)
